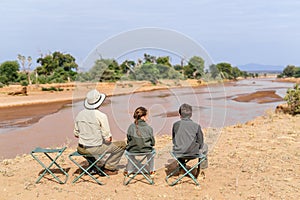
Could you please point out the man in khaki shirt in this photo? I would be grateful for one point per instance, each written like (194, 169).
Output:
(92, 129)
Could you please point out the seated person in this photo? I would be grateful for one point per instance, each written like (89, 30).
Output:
(92, 129)
(140, 139)
(187, 136)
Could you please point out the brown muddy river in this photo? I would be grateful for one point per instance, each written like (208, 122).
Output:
(213, 106)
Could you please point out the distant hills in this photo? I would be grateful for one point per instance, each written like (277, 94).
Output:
(254, 67)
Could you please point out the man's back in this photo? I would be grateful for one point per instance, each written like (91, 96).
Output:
(91, 126)
(187, 137)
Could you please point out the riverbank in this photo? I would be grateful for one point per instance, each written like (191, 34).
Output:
(290, 80)
(256, 160)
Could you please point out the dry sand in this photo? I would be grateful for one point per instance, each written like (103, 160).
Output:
(256, 160)
(290, 79)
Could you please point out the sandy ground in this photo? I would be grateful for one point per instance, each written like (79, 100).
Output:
(256, 160)
(291, 80)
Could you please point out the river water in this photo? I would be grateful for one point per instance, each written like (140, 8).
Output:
(213, 106)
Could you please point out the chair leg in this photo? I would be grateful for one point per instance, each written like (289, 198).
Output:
(140, 169)
(59, 167)
(47, 169)
(187, 172)
(86, 170)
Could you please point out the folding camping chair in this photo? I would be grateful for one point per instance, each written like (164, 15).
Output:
(140, 163)
(91, 166)
(53, 161)
(201, 158)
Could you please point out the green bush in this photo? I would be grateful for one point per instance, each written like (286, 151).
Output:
(9, 72)
(24, 83)
(280, 76)
(52, 89)
(42, 79)
(4, 80)
(293, 99)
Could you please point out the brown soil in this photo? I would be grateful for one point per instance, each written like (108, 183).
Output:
(291, 80)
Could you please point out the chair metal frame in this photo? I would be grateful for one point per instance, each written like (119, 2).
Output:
(91, 165)
(139, 166)
(53, 161)
(200, 157)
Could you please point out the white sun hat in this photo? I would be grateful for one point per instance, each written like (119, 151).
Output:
(94, 99)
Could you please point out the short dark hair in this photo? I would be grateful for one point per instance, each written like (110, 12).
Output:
(185, 110)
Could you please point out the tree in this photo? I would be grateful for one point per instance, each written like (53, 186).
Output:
(214, 71)
(236, 72)
(58, 67)
(148, 72)
(163, 71)
(229, 72)
(127, 66)
(289, 71)
(178, 68)
(9, 72)
(174, 74)
(194, 68)
(105, 70)
(225, 70)
(149, 59)
(47, 67)
(164, 60)
(245, 74)
(297, 72)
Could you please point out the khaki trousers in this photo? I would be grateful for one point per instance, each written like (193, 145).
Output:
(115, 149)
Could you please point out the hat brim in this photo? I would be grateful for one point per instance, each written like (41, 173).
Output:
(95, 105)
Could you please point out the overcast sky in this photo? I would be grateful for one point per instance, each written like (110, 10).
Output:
(235, 31)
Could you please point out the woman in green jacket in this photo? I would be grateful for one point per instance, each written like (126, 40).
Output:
(140, 138)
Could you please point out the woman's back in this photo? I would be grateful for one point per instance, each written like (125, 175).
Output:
(140, 137)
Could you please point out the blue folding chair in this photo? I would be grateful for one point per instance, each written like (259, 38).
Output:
(47, 152)
(91, 166)
(140, 163)
(182, 165)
